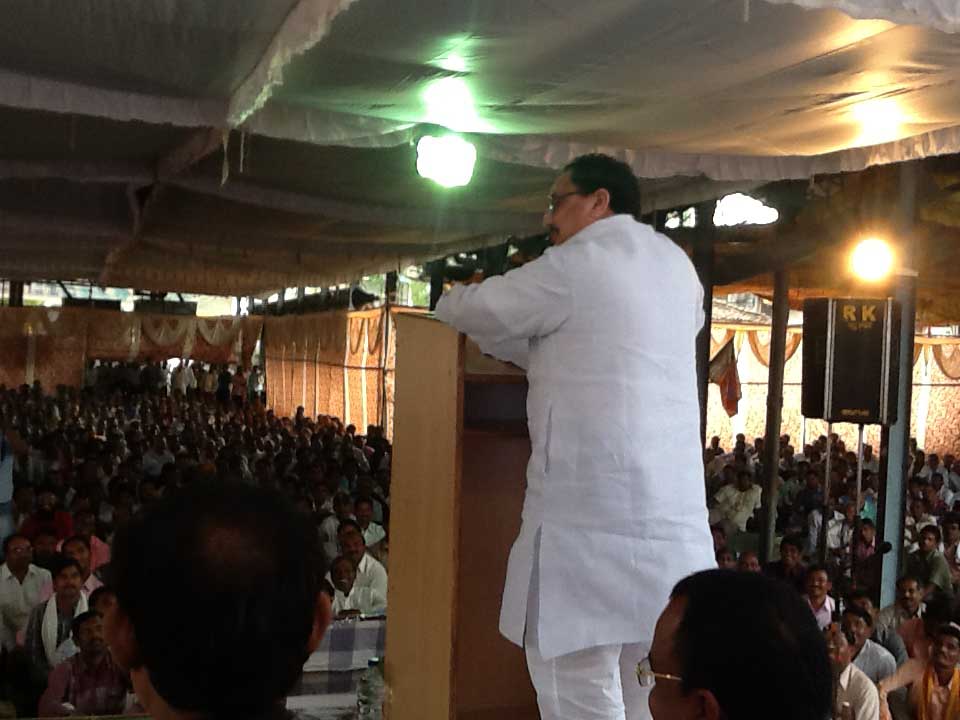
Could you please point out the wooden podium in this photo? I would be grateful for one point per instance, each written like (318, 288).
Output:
(460, 455)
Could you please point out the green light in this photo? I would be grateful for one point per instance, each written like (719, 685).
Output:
(447, 160)
(449, 103)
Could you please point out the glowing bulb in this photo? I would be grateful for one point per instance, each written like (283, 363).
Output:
(449, 103)
(872, 260)
(881, 120)
(447, 160)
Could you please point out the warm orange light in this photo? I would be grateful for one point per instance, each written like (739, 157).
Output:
(872, 259)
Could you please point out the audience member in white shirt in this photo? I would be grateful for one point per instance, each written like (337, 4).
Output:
(736, 504)
(20, 585)
(370, 573)
(349, 598)
(342, 510)
(372, 532)
(851, 686)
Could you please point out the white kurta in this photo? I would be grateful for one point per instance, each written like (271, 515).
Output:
(605, 325)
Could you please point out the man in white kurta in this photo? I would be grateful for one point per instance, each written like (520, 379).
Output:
(605, 323)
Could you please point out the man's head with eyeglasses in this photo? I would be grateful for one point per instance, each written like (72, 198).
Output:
(590, 188)
(728, 645)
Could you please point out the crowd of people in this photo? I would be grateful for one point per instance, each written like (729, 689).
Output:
(898, 661)
(77, 465)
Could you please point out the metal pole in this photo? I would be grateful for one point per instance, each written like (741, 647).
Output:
(856, 519)
(703, 262)
(803, 433)
(899, 432)
(825, 509)
(771, 443)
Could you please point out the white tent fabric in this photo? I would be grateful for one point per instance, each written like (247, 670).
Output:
(938, 14)
(735, 90)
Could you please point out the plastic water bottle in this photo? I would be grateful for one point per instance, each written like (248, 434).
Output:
(370, 691)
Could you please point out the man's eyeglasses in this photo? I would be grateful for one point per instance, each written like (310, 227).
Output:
(648, 677)
(553, 201)
(21, 550)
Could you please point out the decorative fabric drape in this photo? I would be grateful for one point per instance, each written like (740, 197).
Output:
(760, 344)
(333, 363)
(947, 358)
(52, 344)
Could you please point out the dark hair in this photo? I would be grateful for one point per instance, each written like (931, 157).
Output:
(348, 523)
(811, 569)
(867, 522)
(950, 629)
(76, 538)
(859, 612)
(80, 619)
(10, 538)
(363, 499)
(860, 594)
(784, 647)
(99, 593)
(791, 541)
(61, 562)
(235, 644)
(912, 578)
(594, 171)
(933, 530)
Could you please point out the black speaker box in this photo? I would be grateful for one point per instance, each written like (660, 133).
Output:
(851, 359)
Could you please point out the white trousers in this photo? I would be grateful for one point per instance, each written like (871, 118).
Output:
(599, 683)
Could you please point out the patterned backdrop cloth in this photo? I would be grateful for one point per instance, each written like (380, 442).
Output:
(52, 344)
(348, 645)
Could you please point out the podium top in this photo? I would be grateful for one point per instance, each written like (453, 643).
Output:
(477, 366)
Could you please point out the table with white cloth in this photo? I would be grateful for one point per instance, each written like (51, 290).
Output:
(348, 645)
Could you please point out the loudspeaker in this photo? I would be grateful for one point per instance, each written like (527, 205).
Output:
(851, 359)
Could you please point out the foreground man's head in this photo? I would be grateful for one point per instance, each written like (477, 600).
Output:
(739, 646)
(218, 602)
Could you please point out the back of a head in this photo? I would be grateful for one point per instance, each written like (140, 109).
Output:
(594, 171)
(220, 584)
(754, 644)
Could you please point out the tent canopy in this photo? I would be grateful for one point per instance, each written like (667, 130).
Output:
(238, 147)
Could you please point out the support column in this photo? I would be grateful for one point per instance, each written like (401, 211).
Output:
(390, 289)
(898, 449)
(771, 442)
(16, 293)
(436, 282)
(703, 256)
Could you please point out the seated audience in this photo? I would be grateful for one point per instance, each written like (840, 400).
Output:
(928, 564)
(698, 667)
(917, 518)
(342, 510)
(933, 684)
(749, 562)
(370, 573)
(21, 583)
(47, 517)
(85, 524)
(78, 548)
(349, 598)
(874, 660)
(89, 683)
(789, 568)
(855, 697)
(103, 600)
(373, 532)
(817, 596)
(234, 645)
(886, 637)
(734, 505)
(951, 548)
(726, 559)
(48, 639)
(908, 604)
